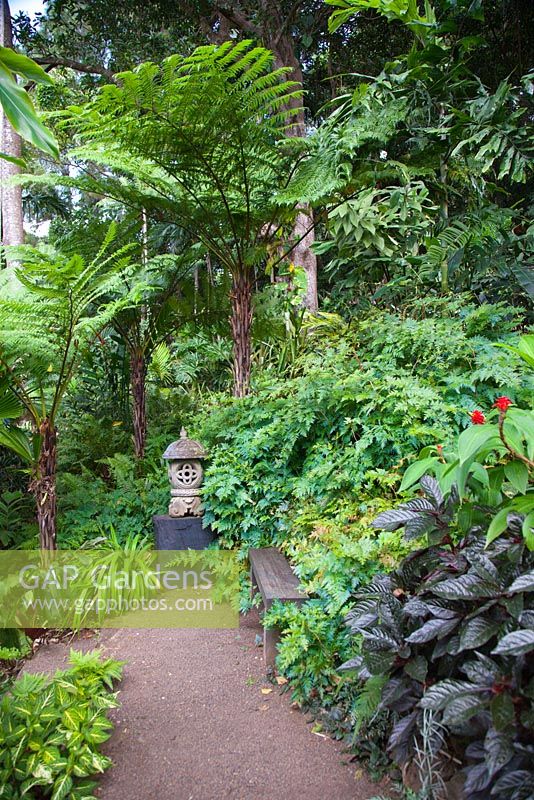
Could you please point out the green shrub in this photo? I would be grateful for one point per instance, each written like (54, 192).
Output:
(13, 644)
(51, 729)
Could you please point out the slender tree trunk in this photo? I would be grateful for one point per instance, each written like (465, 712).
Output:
(302, 255)
(12, 229)
(444, 214)
(138, 385)
(43, 487)
(241, 321)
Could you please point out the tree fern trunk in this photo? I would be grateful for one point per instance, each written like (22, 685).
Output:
(43, 487)
(241, 322)
(138, 385)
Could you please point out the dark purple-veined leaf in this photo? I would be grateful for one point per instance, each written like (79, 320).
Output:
(515, 643)
(525, 583)
(478, 778)
(463, 708)
(431, 488)
(416, 608)
(520, 779)
(441, 613)
(476, 632)
(351, 664)
(393, 519)
(419, 504)
(499, 750)
(377, 640)
(433, 629)
(526, 620)
(466, 587)
(484, 670)
(377, 663)
(417, 527)
(484, 568)
(402, 737)
(444, 692)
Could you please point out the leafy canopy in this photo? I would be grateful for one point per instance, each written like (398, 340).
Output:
(198, 140)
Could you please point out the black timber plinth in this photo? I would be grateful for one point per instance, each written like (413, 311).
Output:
(181, 533)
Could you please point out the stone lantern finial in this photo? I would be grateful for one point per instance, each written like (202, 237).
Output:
(184, 467)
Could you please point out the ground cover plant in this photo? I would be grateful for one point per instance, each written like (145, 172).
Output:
(51, 729)
(306, 236)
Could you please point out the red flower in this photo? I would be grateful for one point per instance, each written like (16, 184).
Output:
(477, 417)
(503, 403)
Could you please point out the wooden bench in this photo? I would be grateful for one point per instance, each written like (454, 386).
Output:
(272, 576)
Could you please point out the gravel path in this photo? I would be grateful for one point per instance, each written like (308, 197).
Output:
(194, 723)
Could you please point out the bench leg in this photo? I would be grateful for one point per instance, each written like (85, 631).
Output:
(253, 585)
(270, 639)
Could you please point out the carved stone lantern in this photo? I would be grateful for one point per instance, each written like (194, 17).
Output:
(184, 465)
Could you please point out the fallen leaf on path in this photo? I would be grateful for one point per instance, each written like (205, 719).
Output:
(281, 680)
(266, 691)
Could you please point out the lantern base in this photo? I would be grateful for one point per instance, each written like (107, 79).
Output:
(181, 533)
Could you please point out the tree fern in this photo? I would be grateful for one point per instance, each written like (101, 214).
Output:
(43, 332)
(203, 140)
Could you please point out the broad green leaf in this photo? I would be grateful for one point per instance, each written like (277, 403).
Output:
(416, 471)
(480, 473)
(502, 711)
(15, 439)
(524, 504)
(13, 160)
(498, 525)
(24, 66)
(514, 435)
(524, 422)
(475, 438)
(528, 530)
(517, 474)
(19, 110)
(10, 406)
(525, 349)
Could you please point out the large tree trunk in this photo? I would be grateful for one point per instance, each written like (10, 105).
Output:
(12, 229)
(43, 487)
(241, 321)
(138, 385)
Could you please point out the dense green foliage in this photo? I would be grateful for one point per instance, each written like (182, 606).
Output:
(386, 443)
(51, 730)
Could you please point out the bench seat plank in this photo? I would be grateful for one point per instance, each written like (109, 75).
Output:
(274, 576)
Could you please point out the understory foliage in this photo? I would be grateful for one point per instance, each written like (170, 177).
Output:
(51, 730)
(384, 444)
